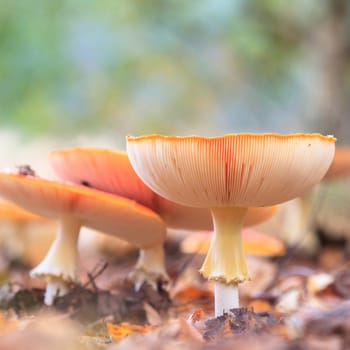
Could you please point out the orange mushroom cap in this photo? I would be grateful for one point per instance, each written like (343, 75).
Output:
(340, 166)
(9, 211)
(228, 174)
(110, 171)
(232, 170)
(95, 209)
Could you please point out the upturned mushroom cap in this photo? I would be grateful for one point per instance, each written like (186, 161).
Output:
(110, 171)
(95, 209)
(232, 170)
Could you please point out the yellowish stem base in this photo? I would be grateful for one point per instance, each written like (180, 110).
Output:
(60, 265)
(225, 262)
(55, 287)
(149, 268)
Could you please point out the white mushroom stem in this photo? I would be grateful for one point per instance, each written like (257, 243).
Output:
(55, 287)
(225, 262)
(226, 297)
(60, 266)
(150, 267)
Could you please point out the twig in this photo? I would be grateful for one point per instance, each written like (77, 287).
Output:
(94, 274)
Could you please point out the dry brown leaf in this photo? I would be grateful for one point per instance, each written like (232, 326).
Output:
(189, 332)
(152, 315)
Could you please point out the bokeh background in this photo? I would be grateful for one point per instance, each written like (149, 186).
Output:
(77, 72)
(88, 72)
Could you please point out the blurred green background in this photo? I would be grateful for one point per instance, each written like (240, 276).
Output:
(74, 67)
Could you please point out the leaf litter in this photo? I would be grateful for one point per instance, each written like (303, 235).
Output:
(293, 302)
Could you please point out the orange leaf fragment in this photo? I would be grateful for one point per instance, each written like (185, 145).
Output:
(120, 331)
(227, 332)
(197, 315)
(191, 293)
(260, 305)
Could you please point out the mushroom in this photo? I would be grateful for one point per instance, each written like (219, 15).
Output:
(14, 223)
(340, 166)
(75, 206)
(9, 211)
(297, 220)
(228, 174)
(110, 171)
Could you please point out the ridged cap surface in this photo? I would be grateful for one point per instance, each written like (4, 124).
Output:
(110, 171)
(231, 170)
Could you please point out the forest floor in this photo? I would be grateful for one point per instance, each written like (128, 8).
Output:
(291, 303)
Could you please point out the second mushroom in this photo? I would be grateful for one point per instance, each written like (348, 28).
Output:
(75, 206)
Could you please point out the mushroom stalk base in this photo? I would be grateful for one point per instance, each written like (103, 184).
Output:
(225, 262)
(60, 265)
(55, 288)
(226, 297)
(150, 268)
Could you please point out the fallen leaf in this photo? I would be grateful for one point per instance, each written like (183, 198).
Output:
(189, 332)
(239, 322)
(191, 292)
(260, 305)
(197, 315)
(152, 315)
(123, 330)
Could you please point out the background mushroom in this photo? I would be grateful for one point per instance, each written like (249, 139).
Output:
(340, 166)
(16, 229)
(254, 243)
(326, 206)
(75, 206)
(229, 174)
(110, 171)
